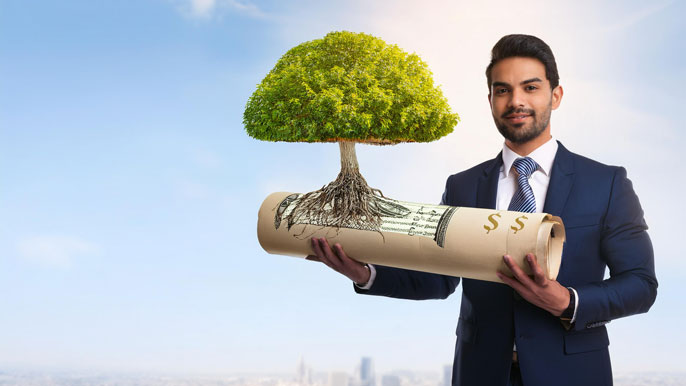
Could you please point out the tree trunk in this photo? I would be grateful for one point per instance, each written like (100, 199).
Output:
(346, 201)
(348, 158)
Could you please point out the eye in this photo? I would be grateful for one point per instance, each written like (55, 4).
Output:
(500, 90)
(531, 87)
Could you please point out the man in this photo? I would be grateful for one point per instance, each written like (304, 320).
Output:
(532, 330)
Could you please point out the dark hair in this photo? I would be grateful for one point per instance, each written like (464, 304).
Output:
(524, 46)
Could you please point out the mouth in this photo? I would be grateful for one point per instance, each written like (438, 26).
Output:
(517, 118)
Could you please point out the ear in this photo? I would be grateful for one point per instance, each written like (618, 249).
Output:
(489, 100)
(557, 97)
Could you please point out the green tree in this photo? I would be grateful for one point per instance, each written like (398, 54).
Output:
(347, 87)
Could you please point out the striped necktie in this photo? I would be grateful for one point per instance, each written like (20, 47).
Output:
(524, 200)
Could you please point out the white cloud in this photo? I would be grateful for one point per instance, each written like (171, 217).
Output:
(206, 9)
(202, 8)
(246, 7)
(55, 251)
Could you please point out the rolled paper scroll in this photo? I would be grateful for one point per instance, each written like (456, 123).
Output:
(449, 240)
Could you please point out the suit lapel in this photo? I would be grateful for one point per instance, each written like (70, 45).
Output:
(488, 183)
(561, 181)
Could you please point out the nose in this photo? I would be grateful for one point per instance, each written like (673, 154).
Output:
(516, 98)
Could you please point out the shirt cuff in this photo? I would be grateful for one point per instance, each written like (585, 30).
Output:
(372, 276)
(576, 304)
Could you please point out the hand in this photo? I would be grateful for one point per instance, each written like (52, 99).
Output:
(539, 291)
(337, 260)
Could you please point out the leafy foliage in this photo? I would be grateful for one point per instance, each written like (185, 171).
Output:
(352, 87)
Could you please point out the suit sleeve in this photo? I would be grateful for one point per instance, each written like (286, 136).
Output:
(408, 284)
(628, 253)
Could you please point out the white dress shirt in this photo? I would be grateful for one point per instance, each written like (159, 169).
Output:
(544, 156)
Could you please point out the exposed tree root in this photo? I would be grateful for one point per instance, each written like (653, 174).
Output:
(346, 202)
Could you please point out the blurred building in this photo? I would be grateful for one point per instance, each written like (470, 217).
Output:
(303, 373)
(366, 374)
(390, 380)
(338, 378)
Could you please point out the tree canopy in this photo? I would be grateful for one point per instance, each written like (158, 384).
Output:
(348, 87)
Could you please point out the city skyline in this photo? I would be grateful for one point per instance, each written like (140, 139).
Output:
(302, 375)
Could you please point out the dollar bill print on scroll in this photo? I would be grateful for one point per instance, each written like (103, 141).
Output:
(406, 218)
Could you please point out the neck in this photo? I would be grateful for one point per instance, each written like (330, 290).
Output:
(526, 148)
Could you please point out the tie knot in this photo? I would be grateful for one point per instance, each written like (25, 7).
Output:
(525, 166)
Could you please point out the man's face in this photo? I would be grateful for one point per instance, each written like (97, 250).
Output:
(521, 99)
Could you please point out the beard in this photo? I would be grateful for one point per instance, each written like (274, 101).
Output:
(520, 133)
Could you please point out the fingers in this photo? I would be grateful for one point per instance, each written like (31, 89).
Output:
(345, 259)
(329, 254)
(319, 254)
(312, 258)
(316, 248)
(517, 272)
(539, 291)
(520, 282)
(539, 276)
(335, 259)
(512, 282)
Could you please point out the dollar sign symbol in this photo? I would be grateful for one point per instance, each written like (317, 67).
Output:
(521, 224)
(491, 218)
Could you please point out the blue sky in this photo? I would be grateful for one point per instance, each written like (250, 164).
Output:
(129, 189)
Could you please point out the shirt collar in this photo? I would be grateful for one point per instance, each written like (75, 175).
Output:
(544, 156)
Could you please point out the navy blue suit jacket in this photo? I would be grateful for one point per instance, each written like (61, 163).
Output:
(604, 227)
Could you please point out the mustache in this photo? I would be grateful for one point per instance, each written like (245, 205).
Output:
(519, 111)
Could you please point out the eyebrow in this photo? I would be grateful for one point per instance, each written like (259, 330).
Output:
(532, 80)
(504, 84)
